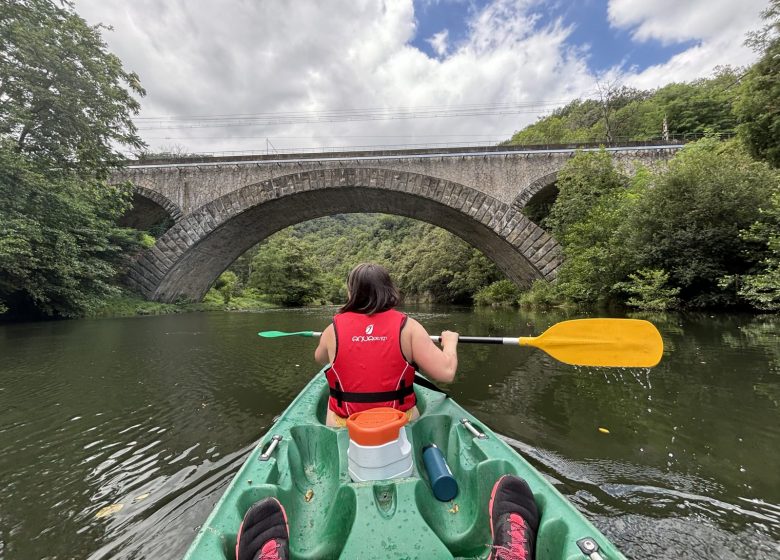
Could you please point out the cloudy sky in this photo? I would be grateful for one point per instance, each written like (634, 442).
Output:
(262, 74)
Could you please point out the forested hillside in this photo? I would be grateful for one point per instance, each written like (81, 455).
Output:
(621, 113)
(309, 262)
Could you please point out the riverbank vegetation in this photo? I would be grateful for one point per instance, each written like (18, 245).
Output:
(62, 119)
(701, 233)
(308, 263)
(128, 304)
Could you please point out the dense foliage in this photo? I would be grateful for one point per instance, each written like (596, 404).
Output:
(758, 107)
(689, 221)
(65, 107)
(66, 100)
(59, 245)
(309, 262)
(702, 233)
(761, 287)
(689, 109)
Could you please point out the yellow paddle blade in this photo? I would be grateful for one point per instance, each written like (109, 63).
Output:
(601, 342)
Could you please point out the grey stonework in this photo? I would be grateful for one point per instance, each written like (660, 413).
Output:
(171, 208)
(224, 207)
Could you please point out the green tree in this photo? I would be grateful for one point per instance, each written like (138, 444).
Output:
(688, 222)
(65, 101)
(612, 98)
(762, 287)
(434, 264)
(227, 285)
(583, 181)
(758, 107)
(65, 111)
(599, 201)
(595, 255)
(285, 270)
(59, 244)
(649, 290)
(501, 292)
(700, 107)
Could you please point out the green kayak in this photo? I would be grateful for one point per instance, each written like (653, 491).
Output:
(304, 464)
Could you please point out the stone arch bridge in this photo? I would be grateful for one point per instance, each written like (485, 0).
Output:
(223, 206)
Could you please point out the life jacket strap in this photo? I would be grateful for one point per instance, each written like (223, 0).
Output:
(375, 397)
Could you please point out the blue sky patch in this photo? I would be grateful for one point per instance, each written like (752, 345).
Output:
(607, 46)
(434, 16)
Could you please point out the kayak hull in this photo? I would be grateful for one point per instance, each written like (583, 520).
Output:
(332, 517)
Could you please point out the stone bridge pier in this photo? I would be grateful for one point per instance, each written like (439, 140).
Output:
(224, 206)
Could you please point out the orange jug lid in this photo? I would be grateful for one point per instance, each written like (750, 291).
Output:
(375, 426)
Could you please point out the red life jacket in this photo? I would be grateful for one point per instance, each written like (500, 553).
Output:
(369, 369)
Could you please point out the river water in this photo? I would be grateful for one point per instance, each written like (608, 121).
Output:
(158, 413)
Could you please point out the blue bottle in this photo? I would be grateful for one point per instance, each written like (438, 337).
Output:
(443, 483)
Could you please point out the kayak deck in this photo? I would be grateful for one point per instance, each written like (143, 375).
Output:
(329, 516)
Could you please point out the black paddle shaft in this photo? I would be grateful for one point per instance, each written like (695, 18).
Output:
(477, 339)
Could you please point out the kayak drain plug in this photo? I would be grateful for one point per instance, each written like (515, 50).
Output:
(384, 497)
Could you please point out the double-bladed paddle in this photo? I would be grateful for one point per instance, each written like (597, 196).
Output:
(579, 342)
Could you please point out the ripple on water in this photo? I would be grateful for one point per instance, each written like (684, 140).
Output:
(681, 521)
(95, 413)
(174, 508)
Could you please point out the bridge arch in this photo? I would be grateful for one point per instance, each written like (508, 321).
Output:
(150, 208)
(191, 255)
(543, 187)
(536, 200)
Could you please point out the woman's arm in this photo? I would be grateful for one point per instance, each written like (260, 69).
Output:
(327, 341)
(438, 364)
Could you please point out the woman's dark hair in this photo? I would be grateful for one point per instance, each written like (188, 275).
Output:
(370, 290)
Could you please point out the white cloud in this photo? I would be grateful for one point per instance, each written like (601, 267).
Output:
(438, 42)
(718, 28)
(671, 21)
(199, 57)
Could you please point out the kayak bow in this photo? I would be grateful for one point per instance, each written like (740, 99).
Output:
(303, 463)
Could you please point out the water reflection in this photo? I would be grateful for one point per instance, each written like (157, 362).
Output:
(157, 414)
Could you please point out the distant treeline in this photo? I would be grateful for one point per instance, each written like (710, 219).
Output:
(308, 263)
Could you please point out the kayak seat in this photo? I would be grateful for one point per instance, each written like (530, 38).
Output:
(307, 479)
(320, 509)
(461, 524)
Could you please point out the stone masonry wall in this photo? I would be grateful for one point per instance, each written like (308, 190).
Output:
(227, 207)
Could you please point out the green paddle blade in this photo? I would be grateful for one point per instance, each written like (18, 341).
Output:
(277, 334)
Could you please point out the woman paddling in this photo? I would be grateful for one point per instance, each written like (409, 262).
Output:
(374, 350)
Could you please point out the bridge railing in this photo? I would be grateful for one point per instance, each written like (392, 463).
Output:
(426, 148)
